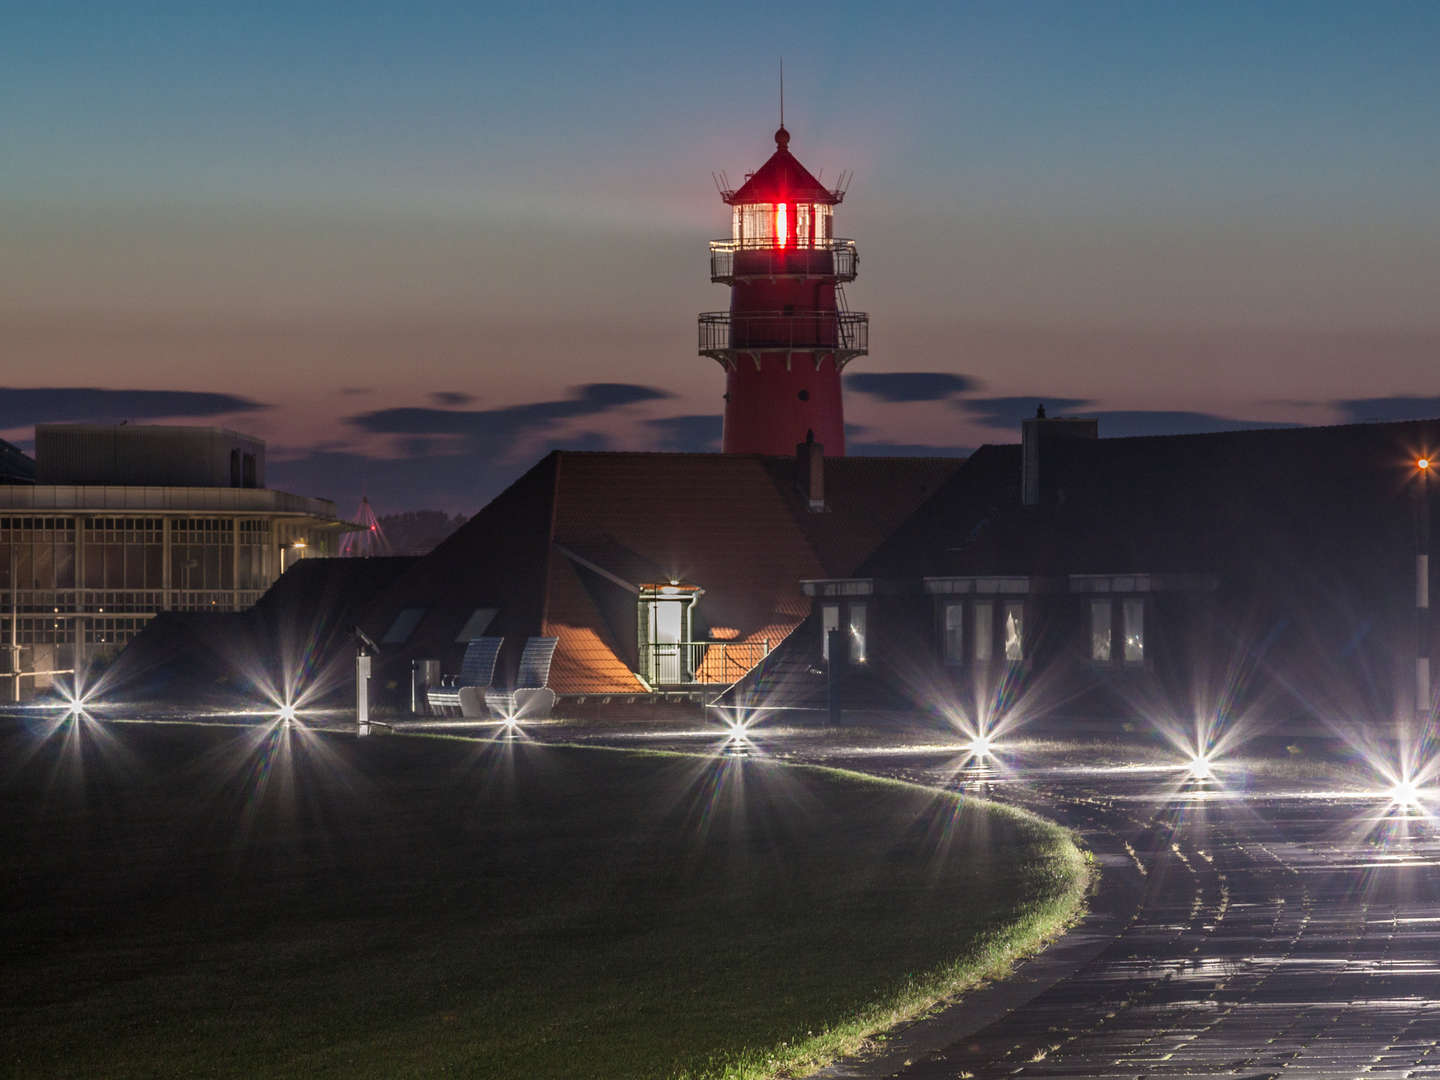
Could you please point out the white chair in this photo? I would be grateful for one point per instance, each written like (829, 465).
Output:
(466, 690)
(531, 697)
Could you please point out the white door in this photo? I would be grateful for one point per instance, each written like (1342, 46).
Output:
(668, 632)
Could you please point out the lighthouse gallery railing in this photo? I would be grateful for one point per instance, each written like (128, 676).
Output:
(731, 259)
(846, 332)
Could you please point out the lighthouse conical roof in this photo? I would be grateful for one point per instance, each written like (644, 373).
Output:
(783, 179)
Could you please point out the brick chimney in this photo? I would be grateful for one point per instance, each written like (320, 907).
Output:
(1039, 437)
(810, 472)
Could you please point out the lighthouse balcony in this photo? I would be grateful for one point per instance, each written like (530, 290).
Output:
(760, 258)
(843, 334)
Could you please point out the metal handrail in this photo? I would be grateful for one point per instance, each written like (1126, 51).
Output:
(768, 244)
(731, 259)
(824, 331)
(707, 663)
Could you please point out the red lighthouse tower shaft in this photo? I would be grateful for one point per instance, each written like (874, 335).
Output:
(787, 335)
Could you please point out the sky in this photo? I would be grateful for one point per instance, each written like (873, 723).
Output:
(415, 249)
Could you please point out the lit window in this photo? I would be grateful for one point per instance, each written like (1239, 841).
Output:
(857, 633)
(1133, 613)
(1014, 631)
(782, 227)
(829, 620)
(1100, 622)
(954, 633)
(984, 629)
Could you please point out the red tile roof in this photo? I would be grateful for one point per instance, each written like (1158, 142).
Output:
(782, 179)
(563, 549)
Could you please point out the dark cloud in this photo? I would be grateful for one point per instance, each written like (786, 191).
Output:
(1160, 422)
(451, 397)
(89, 404)
(454, 482)
(696, 432)
(496, 429)
(454, 459)
(1360, 410)
(1007, 412)
(910, 385)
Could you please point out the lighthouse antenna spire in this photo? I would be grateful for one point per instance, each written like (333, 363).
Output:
(782, 91)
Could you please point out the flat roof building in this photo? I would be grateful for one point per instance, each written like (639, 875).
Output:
(121, 522)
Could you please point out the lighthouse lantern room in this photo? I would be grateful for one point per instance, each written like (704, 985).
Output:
(788, 333)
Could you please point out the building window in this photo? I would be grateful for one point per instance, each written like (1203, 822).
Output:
(1014, 631)
(1100, 631)
(1132, 611)
(984, 630)
(234, 468)
(954, 628)
(829, 620)
(857, 632)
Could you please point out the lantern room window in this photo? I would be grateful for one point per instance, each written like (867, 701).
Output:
(781, 225)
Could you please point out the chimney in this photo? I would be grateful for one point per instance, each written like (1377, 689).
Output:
(1039, 438)
(810, 472)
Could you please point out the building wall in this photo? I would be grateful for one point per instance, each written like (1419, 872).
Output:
(144, 455)
(77, 586)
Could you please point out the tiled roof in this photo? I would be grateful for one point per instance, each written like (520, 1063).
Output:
(1266, 498)
(782, 179)
(561, 550)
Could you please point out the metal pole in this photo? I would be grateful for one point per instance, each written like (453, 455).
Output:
(362, 693)
(837, 646)
(1422, 598)
(14, 628)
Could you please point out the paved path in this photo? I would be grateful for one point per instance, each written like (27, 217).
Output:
(1274, 932)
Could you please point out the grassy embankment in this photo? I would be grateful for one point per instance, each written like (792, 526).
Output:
(179, 903)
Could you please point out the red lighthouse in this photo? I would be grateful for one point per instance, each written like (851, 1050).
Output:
(787, 335)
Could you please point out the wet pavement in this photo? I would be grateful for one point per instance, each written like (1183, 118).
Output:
(1272, 922)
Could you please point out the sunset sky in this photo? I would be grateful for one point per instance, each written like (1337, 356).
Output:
(415, 250)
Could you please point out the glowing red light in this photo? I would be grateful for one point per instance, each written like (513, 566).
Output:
(781, 228)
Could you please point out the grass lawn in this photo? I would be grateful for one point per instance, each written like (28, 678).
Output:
(197, 901)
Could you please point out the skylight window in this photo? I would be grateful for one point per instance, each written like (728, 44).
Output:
(476, 625)
(403, 626)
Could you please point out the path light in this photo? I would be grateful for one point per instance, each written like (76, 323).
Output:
(980, 746)
(1405, 796)
(737, 741)
(1200, 769)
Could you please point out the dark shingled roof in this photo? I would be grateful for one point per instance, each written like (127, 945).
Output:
(1295, 522)
(1180, 503)
(16, 467)
(563, 549)
(302, 624)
